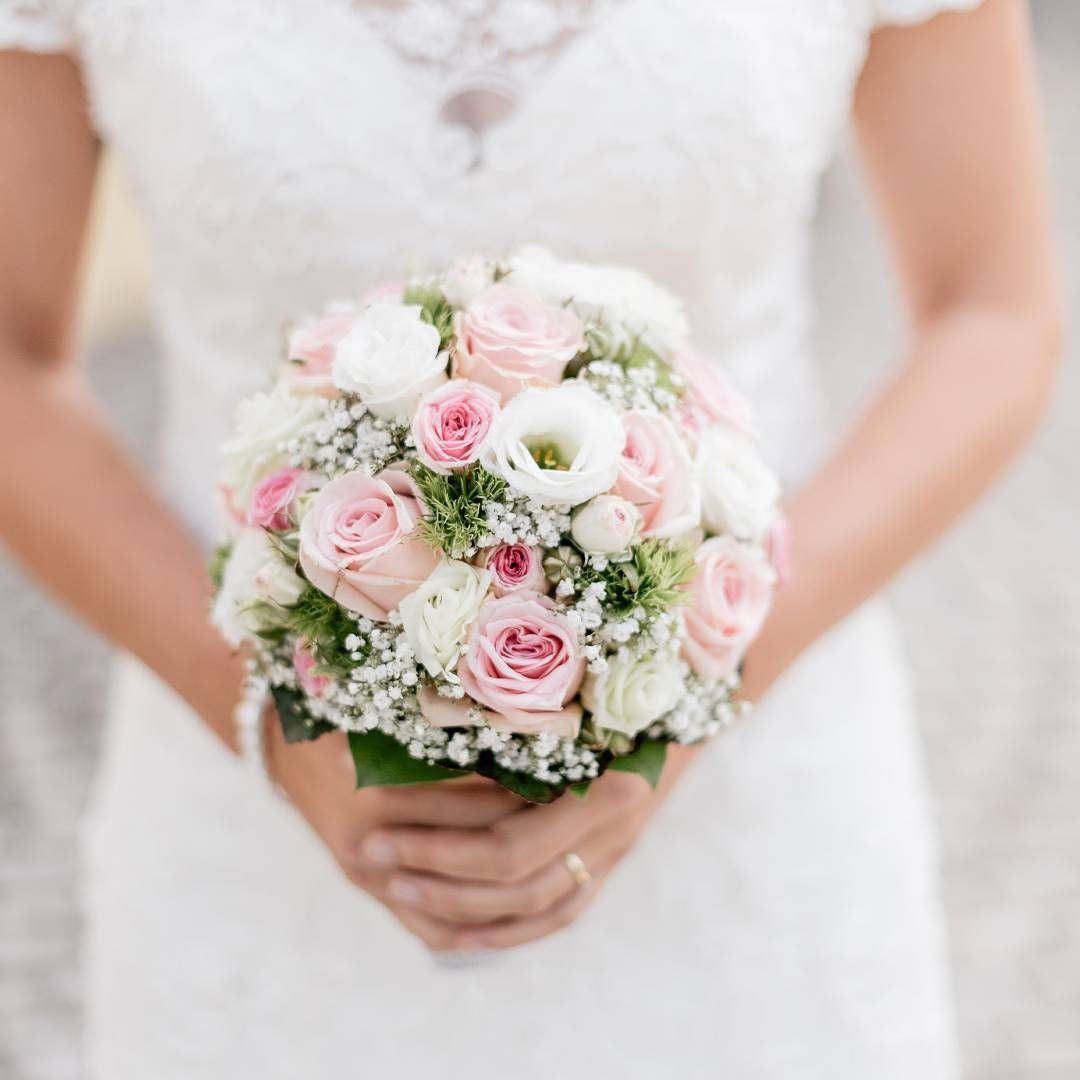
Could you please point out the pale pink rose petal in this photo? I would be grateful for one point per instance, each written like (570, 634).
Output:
(452, 424)
(510, 339)
(358, 542)
(709, 397)
(274, 496)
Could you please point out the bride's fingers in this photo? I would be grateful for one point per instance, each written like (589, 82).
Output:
(437, 935)
(516, 846)
(449, 804)
(477, 902)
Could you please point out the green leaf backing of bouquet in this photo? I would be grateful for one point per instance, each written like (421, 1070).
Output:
(381, 761)
(296, 725)
(647, 761)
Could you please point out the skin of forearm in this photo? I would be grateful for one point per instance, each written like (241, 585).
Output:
(78, 515)
(971, 391)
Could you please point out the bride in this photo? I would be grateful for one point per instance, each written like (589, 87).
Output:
(772, 911)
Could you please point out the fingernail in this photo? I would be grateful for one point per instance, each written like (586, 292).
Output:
(380, 851)
(405, 891)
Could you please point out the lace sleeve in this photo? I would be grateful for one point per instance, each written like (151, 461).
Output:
(903, 12)
(37, 25)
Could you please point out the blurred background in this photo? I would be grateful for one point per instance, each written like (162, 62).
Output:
(991, 618)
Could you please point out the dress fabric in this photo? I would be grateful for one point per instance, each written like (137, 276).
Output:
(780, 919)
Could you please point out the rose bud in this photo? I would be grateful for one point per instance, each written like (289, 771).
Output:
(606, 525)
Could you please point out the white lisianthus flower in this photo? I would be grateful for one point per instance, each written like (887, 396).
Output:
(606, 525)
(264, 424)
(623, 303)
(633, 692)
(390, 358)
(254, 577)
(560, 445)
(436, 616)
(739, 491)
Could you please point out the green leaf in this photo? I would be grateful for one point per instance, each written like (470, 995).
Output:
(381, 761)
(647, 761)
(580, 790)
(528, 787)
(296, 725)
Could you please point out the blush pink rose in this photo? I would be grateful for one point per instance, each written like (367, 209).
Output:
(311, 682)
(452, 423)
(513, 567)
(709, 397)
(311, 353)
(656, 474)
(509, 339)
(358, 542)
(273, 498)
(523, 663)
(731, 597)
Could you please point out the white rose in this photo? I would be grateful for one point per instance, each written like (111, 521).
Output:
(739, 491)
(436, 617)
(390, 358)
(622, 302)
(254, 577)
(559, 446)
(264, 424)
(633, 692)
(605, 525)
(467, 278)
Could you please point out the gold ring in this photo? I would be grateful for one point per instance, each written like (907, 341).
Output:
(578, 870)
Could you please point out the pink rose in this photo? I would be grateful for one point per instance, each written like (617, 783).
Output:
(732, 593)
(311, 353)
(452, 422)
(358, 542)
(709, 397)
(273, 498)
(508, 339)
(657, 476)
(523, 662)
(312, 683)
(513, 567)
(393, 292)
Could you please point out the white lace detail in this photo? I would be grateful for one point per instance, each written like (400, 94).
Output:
(38, 25)
(478, 57)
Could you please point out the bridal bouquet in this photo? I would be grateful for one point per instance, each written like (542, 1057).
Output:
(503, 520)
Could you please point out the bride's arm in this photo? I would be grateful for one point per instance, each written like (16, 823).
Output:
(77, 514)
(947, 117)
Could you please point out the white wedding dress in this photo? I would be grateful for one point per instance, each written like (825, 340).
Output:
(780, 919)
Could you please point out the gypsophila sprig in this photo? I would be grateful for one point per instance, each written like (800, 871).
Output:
(533, 553)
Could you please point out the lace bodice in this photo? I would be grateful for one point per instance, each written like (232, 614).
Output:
(287, 152)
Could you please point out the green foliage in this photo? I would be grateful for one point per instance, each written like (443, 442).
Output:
(647, 761)
(652, 578)
(434, 309)
(455, 519)
(380, 761)
(218, 559)
(325, 624)
(581, 789)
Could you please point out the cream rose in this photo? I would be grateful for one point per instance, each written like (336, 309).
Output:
(264, 425)
(254, 577)
(739, 491)
(605, 525)
(559, 446)
(390, 358)
(436, 617)
(633, 692)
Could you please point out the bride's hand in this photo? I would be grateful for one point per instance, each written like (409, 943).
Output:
(508, 884)
(319, 780)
